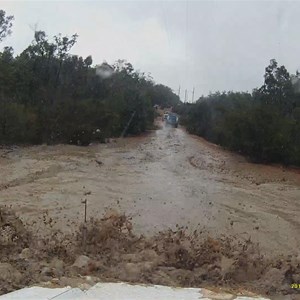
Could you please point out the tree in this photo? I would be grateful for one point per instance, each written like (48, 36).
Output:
(63, 45)
(164, 96)
(88, 61)
(254, 125)
(277, 89)
(5, 24)
(6, 71)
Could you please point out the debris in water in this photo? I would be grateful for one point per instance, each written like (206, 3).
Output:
(114, 252)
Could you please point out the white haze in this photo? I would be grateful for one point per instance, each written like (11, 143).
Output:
(209, 45)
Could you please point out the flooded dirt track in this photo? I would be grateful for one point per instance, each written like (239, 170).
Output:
(165, 179)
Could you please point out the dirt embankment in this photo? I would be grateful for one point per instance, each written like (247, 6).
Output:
(106, 249)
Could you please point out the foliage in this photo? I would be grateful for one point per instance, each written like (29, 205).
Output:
(49, 95)
(5, 24)
(264, 125)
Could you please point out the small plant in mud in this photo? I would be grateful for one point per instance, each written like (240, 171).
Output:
(100, 233)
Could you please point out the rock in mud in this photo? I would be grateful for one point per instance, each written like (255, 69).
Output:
(47, 271)
(81, 262)
(182, 277)
(226, 265)
(162, 278)
(134, 271)
(146, 266)
(84, 286)
(216, 296)
(131, 271)
(84, 265)
(58, 267)
(55, 281)
(25, 254)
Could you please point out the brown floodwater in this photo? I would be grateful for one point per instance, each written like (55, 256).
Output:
(165, 179)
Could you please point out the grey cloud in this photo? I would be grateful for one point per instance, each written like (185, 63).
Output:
(212, 45)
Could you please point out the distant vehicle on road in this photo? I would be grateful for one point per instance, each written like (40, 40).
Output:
(166, 115)
(172, 120)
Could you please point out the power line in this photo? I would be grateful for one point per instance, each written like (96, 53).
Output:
(186, 94)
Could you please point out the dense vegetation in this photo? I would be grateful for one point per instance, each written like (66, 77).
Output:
(264, 125)
(49, 95)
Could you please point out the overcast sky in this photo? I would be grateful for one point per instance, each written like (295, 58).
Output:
(209, 45)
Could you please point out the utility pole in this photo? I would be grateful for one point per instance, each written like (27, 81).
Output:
(126, 127)
(185, 96)
(179, 92)
(193, 94)
(84, 232)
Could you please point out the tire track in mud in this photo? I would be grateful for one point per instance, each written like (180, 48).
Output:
(152, 180)
(157, 179)
(52, 171)
(225, 178)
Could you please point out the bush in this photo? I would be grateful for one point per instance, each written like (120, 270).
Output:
(242, 123)
(18, 124)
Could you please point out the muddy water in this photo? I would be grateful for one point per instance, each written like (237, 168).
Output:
(165, 179)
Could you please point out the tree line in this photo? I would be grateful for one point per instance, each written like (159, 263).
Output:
(263, 125)
(48, 95)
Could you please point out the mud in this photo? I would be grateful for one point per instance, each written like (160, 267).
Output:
(107, 250)
(168, 182)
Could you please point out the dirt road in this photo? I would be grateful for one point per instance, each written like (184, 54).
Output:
(165, 179)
